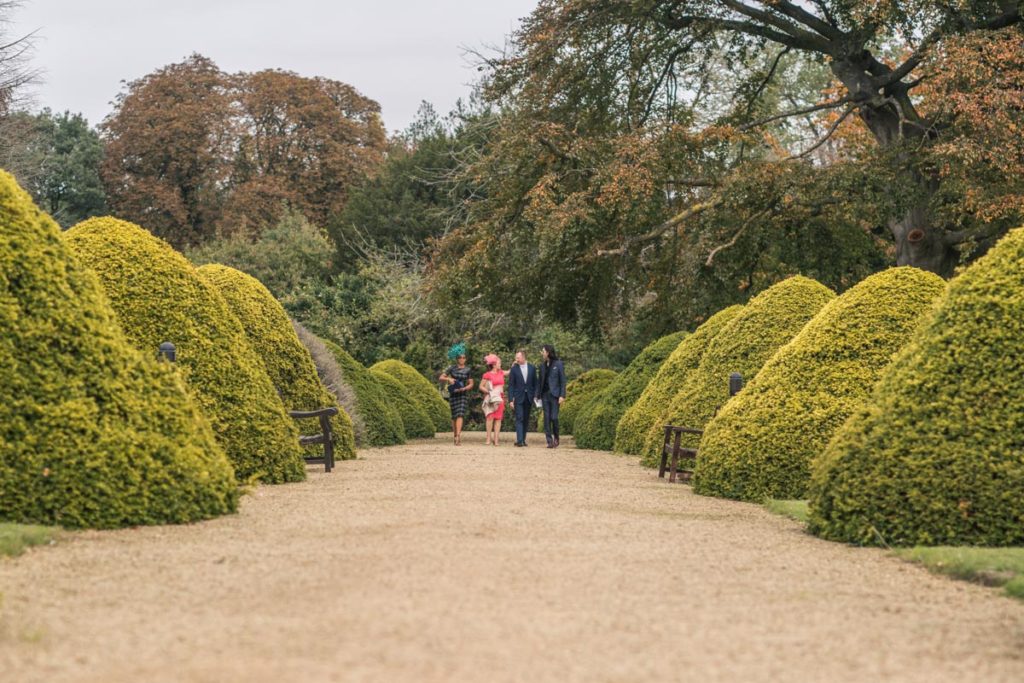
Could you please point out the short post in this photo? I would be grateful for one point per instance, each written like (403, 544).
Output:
(167, 352)
(735, 384)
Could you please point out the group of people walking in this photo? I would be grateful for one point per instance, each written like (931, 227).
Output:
(528, 387)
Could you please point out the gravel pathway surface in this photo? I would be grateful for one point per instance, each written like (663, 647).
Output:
(435, 563)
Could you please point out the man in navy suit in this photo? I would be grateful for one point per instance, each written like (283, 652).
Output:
(551, 392)
(522, 387)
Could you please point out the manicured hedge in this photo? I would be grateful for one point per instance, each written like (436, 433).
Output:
(415, 422)
(420, 388)
(285, 359)
(766, 323)
(595, 424)
(936, 456)
(158, 296)
(657, 396)
(381, 417)
(92, 434)
(579, 393)
(761, 444)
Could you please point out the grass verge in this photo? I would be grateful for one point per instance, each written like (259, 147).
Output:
(1000, 567)
(794, 509)
(15, 538)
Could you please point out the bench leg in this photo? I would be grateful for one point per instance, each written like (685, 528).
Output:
(675, 458)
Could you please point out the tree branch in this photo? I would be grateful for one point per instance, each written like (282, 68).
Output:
(796, 112)
(808, 19)
(731, 243)
(824, 138)
(658, 231)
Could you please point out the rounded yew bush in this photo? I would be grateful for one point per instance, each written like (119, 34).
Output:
(762, 442)
(743, 345)
(158, 296)
(672, 375)
(416, 424)
(594, 425)
(936, 457)
(285, 359)
(92, 433)
(383, 422)
(421, 389)
(579, 392)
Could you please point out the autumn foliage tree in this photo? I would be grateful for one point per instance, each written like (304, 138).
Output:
(193, 152)
(667, 157)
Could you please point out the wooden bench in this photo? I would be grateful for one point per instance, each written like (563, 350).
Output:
(672, 452)
(324, 437)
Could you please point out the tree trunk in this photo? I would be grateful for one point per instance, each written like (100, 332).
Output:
(892, 120)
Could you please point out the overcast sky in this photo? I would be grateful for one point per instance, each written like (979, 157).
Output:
(398, 52)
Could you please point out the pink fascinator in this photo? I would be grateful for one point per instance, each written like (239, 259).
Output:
(491, 359)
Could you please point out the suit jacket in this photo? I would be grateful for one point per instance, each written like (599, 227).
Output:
(553, 380)
(519, 389)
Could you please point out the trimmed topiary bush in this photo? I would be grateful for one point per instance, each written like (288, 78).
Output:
(383, 423)
(643, 415)
(765, 324)
(158, 296)
(761, 444)
(331, 376)
(595, 424)
(415, 422)
(935, 458)
(285, 359)
(579, 392)
(92, 434)
(420, 388)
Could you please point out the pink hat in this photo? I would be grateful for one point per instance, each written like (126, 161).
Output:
(491, 359)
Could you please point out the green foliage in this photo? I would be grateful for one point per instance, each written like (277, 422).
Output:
(382, 419)
(935, 456)
(92, 434)
(595, 424)
(746, 343)
(763, 441)
(61, 165)
(158, 296)
(672, 375)
(285, 257)
(16, 538)
(416, 423)
(579, 392)
(420, 389)
(285, 359)
(989, 566)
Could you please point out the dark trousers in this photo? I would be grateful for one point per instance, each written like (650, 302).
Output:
(550, 404)
(523, 407)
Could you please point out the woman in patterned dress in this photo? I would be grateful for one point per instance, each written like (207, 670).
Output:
(459, 385)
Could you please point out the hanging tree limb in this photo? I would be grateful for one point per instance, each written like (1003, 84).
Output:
(658, 231)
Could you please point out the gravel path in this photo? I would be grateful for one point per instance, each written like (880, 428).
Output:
(434, 563)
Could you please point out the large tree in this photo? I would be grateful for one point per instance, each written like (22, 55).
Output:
(622, 55)
(193, 152)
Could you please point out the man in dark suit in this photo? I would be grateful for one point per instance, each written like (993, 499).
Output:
(551, 392)
(522, 387)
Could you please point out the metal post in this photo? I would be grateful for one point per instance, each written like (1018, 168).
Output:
(168, 352)
(735, 383)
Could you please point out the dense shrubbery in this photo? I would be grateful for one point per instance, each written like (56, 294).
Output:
(158, 296)
(579, 392)
(416, 424)
(935, 457)
(420, 389)
(383, 424)
(762, 442)
(285, 359)
(92, 434)
(671, 376)
(594, 426)
(768, 322)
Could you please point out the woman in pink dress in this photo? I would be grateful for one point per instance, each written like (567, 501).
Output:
(493, 388)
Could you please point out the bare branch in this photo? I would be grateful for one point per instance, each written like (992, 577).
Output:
(658, 231)
(794, 11)
(796, 112)
(731, 243)
(824, 138)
